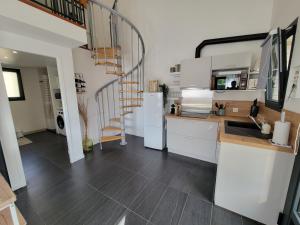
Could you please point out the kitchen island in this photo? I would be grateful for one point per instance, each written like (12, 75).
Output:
(252, 174)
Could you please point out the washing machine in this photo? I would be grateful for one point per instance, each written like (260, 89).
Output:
(60, 122)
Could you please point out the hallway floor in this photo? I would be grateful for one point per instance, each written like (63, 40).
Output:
(128, 185)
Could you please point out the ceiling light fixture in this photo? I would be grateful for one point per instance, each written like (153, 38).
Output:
(15, 52)
(5, 57)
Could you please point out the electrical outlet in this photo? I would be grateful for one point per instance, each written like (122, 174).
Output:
(235, 110)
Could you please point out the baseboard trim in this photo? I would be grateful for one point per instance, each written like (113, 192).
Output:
(34, 131)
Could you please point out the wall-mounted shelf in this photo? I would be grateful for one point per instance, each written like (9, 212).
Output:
(247, 90)
(174, 93)
(254, 73)
(175, 79)
(175, 74)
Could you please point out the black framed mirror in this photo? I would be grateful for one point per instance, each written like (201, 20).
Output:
(279, 67)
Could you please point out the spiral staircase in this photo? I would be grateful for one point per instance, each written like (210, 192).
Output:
(118, 47)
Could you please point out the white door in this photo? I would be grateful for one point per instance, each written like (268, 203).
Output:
(9, 141)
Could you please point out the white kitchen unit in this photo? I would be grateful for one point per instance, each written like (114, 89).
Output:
(192, 138)
(154, 130)
(253, 181)
(196, 73)
(231, 61)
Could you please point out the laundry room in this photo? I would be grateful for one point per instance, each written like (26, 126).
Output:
(34, 93)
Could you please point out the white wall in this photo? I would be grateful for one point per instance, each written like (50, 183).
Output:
(95, 78)
(18, 17)
(29, 115)
(8, 140)
(284, 13)
(65, 67)
(173, 29)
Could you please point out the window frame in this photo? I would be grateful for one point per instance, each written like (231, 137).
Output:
(284, 69)
(20, 84)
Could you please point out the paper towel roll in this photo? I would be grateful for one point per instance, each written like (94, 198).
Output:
(281, 133)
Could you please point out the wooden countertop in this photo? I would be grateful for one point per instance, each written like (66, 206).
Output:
(7, 197)
(236, 139)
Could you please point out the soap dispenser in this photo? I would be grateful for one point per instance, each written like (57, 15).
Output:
(254, 109)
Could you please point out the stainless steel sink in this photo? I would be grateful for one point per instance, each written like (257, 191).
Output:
(244, 129)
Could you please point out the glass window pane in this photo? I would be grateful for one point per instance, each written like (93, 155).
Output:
(289, 42)
(273, 80)
(12, 84)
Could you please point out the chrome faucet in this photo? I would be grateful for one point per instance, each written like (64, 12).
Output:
(253, 119)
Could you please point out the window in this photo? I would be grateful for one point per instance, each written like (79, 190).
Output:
(279, 66)
(13, 84)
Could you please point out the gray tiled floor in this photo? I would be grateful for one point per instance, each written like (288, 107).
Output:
(127, 185)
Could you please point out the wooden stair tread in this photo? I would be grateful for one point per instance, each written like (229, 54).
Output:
(116, 119)
(110, 138)
(22, 220)
(125, 113)
(115, 73)
(6, 195)
(129, 82)
(107, 53)
(107, 63)
(111, 128)
(131, 99)
(108, 48)
(131, 106)
(132, 91)
(5, 217)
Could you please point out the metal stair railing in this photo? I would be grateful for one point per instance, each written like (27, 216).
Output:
(123, 57)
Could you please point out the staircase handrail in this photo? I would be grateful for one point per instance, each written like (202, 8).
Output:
(139, 36)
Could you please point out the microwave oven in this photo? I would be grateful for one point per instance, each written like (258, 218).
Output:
(230, 79)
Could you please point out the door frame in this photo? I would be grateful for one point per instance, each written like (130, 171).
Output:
(65, 67)
(9, 141)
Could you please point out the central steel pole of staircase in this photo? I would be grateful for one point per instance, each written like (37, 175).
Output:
(121, 96)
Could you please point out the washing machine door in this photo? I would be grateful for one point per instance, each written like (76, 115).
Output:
(60, 122)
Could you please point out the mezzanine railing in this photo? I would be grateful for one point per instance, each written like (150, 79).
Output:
(71, 10)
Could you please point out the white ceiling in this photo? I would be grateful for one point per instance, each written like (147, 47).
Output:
(23, 59)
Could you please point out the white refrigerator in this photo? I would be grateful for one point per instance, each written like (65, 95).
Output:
(154, 125)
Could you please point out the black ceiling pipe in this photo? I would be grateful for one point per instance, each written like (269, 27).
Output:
(242, 38)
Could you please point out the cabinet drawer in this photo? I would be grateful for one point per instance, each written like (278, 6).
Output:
(191, 128)
(192, 147)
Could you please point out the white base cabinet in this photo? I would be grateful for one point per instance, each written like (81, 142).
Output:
(195, 139)
(253, 181)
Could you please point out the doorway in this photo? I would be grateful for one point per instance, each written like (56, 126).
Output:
(33, 89)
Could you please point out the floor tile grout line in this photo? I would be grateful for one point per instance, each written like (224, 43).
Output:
(123, 167)
(150, 180)
(141, 191)
(157, 204)
(187, 198)
(51, 162)
(211, 214)
(107, 196)
(201, 198)
(57, 163)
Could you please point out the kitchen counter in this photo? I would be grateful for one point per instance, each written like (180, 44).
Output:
(235, 139)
